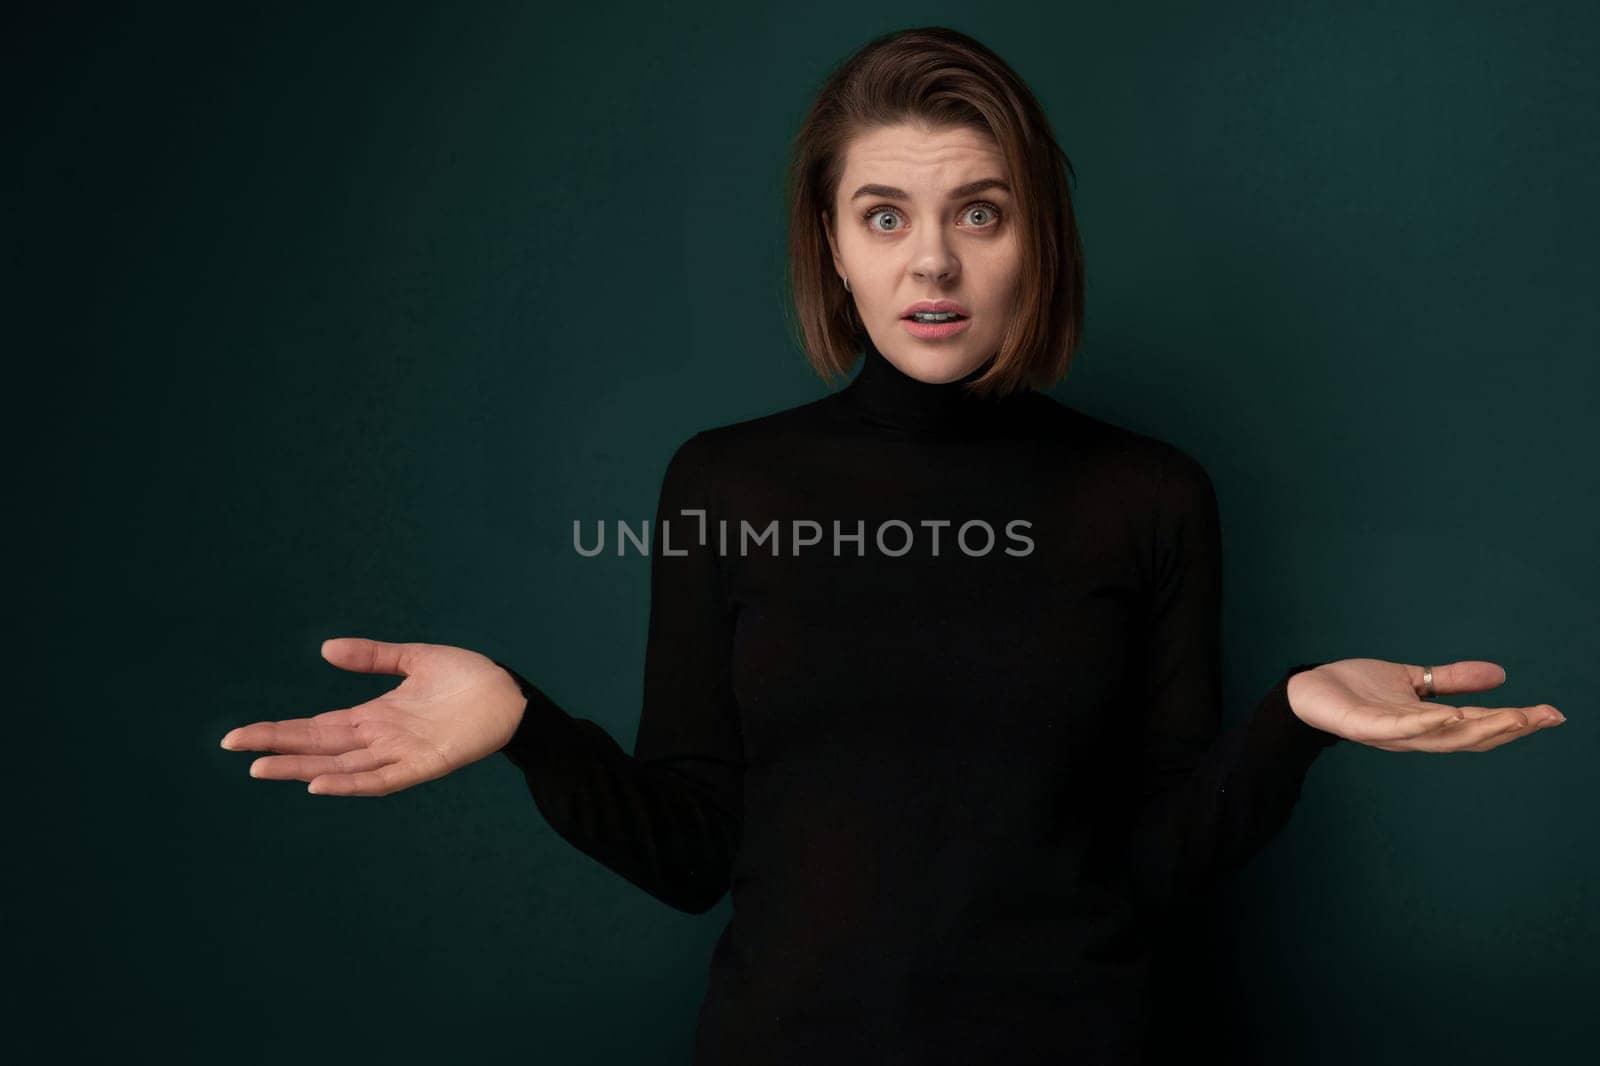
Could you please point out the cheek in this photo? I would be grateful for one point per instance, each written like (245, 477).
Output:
(860, 257)
(1002, 273)
(1008, 258)
(1012, 273)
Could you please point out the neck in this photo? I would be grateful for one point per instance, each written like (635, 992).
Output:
(887, 396)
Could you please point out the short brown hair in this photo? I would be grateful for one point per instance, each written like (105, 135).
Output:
(943, 78)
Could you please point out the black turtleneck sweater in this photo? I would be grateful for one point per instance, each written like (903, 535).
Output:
(953, 772)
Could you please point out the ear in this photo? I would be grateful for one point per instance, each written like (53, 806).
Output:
(833, 245)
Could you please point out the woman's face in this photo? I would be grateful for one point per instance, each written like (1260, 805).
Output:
(917, 220)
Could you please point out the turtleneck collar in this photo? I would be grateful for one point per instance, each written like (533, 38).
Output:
(884, 395)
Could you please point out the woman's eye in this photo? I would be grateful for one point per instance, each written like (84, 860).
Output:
(891, 212)
(984, 216)
(987, 214)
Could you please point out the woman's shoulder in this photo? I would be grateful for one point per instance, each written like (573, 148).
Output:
(771, 433)
(811, 416)
(1103, 438)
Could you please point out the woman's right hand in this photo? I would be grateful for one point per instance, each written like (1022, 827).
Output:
(454, 707)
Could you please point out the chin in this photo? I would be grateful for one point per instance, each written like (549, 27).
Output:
(934, 362)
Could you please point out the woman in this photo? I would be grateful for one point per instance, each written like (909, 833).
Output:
(932, 676)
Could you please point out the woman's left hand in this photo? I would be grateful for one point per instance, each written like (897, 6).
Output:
(1380, 703)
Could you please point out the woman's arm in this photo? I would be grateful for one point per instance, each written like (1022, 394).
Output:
(666, 817)
(1209, 799)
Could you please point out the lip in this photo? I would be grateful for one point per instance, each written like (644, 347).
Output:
(936, 305)
(935, 332)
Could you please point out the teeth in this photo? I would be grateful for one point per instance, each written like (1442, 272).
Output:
(934, 316)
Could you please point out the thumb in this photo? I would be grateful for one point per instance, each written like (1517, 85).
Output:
(367, 656)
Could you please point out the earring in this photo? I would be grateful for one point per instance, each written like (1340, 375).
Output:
(846, 283)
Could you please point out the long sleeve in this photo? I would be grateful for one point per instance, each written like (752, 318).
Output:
(667, 817)
(1210, 798)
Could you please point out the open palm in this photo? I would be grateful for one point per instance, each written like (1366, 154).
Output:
(1382, 704)
(454, 707)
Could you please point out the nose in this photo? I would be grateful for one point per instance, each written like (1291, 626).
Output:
(933, 259)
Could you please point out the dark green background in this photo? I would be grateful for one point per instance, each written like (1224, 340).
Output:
(330, 319)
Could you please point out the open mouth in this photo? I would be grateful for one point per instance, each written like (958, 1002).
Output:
(935, 325)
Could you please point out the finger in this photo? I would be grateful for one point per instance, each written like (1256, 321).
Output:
(308, 767)
(328, 733)
(367, 656)
(1423, 718)
(376, 782)
(1514, 733)
(1536, 715)
(1468, 734)
(1510, 736)
(1488, 729)
(1477, 712)
(1468, 675)
(1469, 714)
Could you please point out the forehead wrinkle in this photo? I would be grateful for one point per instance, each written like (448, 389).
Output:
(973, 161)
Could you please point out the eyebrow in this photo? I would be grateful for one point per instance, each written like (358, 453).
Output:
(891, 193)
